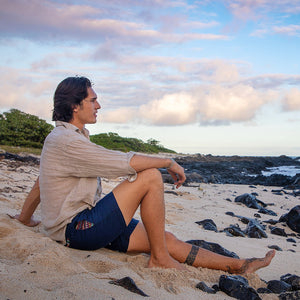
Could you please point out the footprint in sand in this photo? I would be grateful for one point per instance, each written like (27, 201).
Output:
(98, 266)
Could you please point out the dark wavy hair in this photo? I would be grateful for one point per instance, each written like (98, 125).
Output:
(69, 93)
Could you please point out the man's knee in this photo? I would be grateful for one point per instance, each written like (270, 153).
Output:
(152, 176)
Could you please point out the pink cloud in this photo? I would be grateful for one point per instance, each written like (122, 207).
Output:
(51, 21)
(291, 101)
(253, 9)
(292, 30)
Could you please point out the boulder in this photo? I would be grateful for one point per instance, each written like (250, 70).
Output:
(293, 218)
(237, 287)
(278, 286)
(293, 280)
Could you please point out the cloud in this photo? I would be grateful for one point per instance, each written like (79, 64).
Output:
(213, 105)
(291, 30)
(271, 81)
(267, 14)
(55, 22)
(44, 19)
(121, 115)
(237, 103)
(172, 109)
(254, 9)
(291, 101)
(26, 93)
(145, 102)
(260, 32)
(175, 70)
(49, 61)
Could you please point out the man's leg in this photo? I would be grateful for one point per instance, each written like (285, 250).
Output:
(198, 257)
(147, 191)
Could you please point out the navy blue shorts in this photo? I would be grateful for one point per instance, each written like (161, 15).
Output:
(101, 226)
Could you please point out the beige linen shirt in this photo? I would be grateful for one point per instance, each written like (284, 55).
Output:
(70, 168)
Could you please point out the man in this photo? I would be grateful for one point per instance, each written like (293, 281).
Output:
(70, 190)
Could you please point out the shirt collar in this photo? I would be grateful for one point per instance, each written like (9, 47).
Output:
(67, 125)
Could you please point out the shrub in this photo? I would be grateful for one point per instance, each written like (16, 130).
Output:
(20, 129)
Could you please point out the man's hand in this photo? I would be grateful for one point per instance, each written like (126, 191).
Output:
(177, 173)
(29, 223)
(142, 162)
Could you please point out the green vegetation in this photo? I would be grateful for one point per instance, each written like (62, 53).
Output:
(20, 129)
(115, 142)
(23, 132)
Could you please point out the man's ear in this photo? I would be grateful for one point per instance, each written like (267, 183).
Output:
(75, 108)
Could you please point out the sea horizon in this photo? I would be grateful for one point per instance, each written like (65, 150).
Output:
(238, 151)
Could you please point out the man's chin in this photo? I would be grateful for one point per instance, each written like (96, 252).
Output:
(92, 122)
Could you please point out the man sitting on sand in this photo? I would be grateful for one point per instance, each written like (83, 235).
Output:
(69, 189)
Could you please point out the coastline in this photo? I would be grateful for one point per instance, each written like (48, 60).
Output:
(33, 266)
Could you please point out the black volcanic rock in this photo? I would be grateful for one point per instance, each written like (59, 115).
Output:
(275, 247)
(213, 247)
(203, 287)
(129, 284)
(255, 230)
(264, 291)
(236, 170)
(293, 218)
(271, 221)
(278, 286)
(277, 231)
(237, 287)
(249, 200)
(290, 240)
(27, 159)
(290, 296)
(234, 230)
(293, 280)
(252, 202)
(208, 224)
(267, 211)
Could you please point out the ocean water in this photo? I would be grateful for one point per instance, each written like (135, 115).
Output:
(283, 170)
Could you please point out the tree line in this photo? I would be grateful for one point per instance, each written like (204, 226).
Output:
(25, 130)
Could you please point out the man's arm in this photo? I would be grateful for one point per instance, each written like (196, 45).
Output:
(142, 162)
(31, 202)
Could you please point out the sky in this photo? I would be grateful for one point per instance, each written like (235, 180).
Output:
(210, 77)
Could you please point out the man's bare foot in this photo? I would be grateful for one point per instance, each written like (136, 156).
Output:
(253, 264)
(29, 223)
(167, 263)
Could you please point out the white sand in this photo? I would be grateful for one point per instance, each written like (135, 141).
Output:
(32, 266)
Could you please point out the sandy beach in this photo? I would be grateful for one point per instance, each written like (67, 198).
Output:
(32, 266)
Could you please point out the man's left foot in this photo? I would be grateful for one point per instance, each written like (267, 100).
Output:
(251, 265)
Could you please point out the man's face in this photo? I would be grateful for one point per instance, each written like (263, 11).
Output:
(86, 113)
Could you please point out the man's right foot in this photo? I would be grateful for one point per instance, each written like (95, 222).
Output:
(166, 263)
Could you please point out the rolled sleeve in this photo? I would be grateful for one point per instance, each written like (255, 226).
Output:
(131, 177)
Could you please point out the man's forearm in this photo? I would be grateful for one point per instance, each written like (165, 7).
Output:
(143, 162)
(30, 204)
